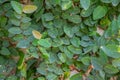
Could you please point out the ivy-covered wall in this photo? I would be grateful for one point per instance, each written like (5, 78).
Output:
(59, 40)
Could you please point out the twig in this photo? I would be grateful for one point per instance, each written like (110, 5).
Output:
(88, 72)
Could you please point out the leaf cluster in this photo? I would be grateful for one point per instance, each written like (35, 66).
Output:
(60, 40)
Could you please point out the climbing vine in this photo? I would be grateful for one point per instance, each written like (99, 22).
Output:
(59, 40)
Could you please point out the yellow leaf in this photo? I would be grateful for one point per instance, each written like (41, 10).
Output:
(36, 34)
(29, 8)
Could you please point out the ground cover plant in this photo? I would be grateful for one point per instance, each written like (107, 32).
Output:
(59, 40)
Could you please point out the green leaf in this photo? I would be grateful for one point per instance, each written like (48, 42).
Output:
(33, 52)
(66, 4)
(18, 16)
(53, 32)
(103, 56)
(15, 30)
(114, 26)
(75, 29)
(74, 10)
(6, 43)
(115, 2)
(25, 25)
(44, 42)
(7, 6)
(109, 69)
(48, 16)
(116, 62)
(96, 63)
(65, 15)
(41, 78)
(102, 74)
(87, 13)
(55, 69)
(12, 78)
(28, 32)
(86, 60)
(44, 52)
(75, 41)
(15, 21)
(75, 50)
(108, 33)
(48, 24)
(62, 57)
(25, 19)
(18, 37)
(58, 23)
(118, 20)
(5, 51)
(14, 51)
(23, 44)
(76, 77)
(17, 7)
(51, 68)
(38, 14)
(106, 1)
(55, 2)
(51, 76)
(65, 40)
(57, 42)
(74, 18)
(84, 43)
(3, 21)
(42, 69)
(68, 53)
(53, 57)
(58, 71)
(105, 22)
(111, 51)
(85, 4)
(99, 12)
(68, 31)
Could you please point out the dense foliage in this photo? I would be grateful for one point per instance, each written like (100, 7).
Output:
(59, 39)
